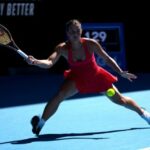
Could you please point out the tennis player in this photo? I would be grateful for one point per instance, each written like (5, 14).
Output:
(84, 75)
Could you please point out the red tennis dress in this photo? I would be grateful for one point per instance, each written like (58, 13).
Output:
(89, 77)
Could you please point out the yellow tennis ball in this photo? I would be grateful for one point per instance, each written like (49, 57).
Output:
(110, 92)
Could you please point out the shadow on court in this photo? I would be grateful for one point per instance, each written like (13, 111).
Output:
(70, 136)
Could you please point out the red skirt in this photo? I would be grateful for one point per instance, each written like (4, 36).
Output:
(91, 82)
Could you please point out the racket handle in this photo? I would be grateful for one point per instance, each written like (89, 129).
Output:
(21, 53)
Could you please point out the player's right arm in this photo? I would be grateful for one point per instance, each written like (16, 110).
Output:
(50, 61)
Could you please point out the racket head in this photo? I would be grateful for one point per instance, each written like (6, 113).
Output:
(5, 36)
(6, 39)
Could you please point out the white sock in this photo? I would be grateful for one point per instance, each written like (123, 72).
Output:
(146, 116)
(41, 123)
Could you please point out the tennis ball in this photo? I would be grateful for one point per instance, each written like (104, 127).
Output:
(110, 92)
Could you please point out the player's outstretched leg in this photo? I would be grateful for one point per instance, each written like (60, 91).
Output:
(115, 96)
(67, 89)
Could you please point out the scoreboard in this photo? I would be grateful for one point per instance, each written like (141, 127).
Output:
(111, 38)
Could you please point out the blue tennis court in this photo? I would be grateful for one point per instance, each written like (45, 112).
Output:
(90, 123)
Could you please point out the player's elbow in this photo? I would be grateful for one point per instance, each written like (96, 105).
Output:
(49, 64)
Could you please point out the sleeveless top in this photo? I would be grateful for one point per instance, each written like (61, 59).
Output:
(88, 76)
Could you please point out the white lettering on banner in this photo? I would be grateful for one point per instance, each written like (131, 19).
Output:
(1, 9)
(20, 9)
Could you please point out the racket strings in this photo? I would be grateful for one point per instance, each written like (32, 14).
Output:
(4, 38)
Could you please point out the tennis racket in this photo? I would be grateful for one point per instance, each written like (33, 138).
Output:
(7, 41)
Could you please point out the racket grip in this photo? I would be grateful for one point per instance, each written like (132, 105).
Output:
(21, 53)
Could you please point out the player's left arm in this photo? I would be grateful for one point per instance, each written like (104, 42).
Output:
(97, 48)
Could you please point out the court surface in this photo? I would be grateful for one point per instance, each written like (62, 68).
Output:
(90, 123)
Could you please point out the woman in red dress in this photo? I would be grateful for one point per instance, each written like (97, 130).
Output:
(84, 75)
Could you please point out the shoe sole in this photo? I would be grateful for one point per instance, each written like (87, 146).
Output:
(34, 122)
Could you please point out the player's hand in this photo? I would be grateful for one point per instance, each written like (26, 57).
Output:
(129, 76)
(31, 60)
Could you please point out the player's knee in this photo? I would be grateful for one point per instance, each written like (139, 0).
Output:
(62, 94)
(121, 101)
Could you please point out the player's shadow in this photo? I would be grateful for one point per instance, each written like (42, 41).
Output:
(69, 136)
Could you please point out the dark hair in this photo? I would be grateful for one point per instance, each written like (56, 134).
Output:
(72, 22)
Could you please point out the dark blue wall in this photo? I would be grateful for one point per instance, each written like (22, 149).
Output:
(38, 34)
